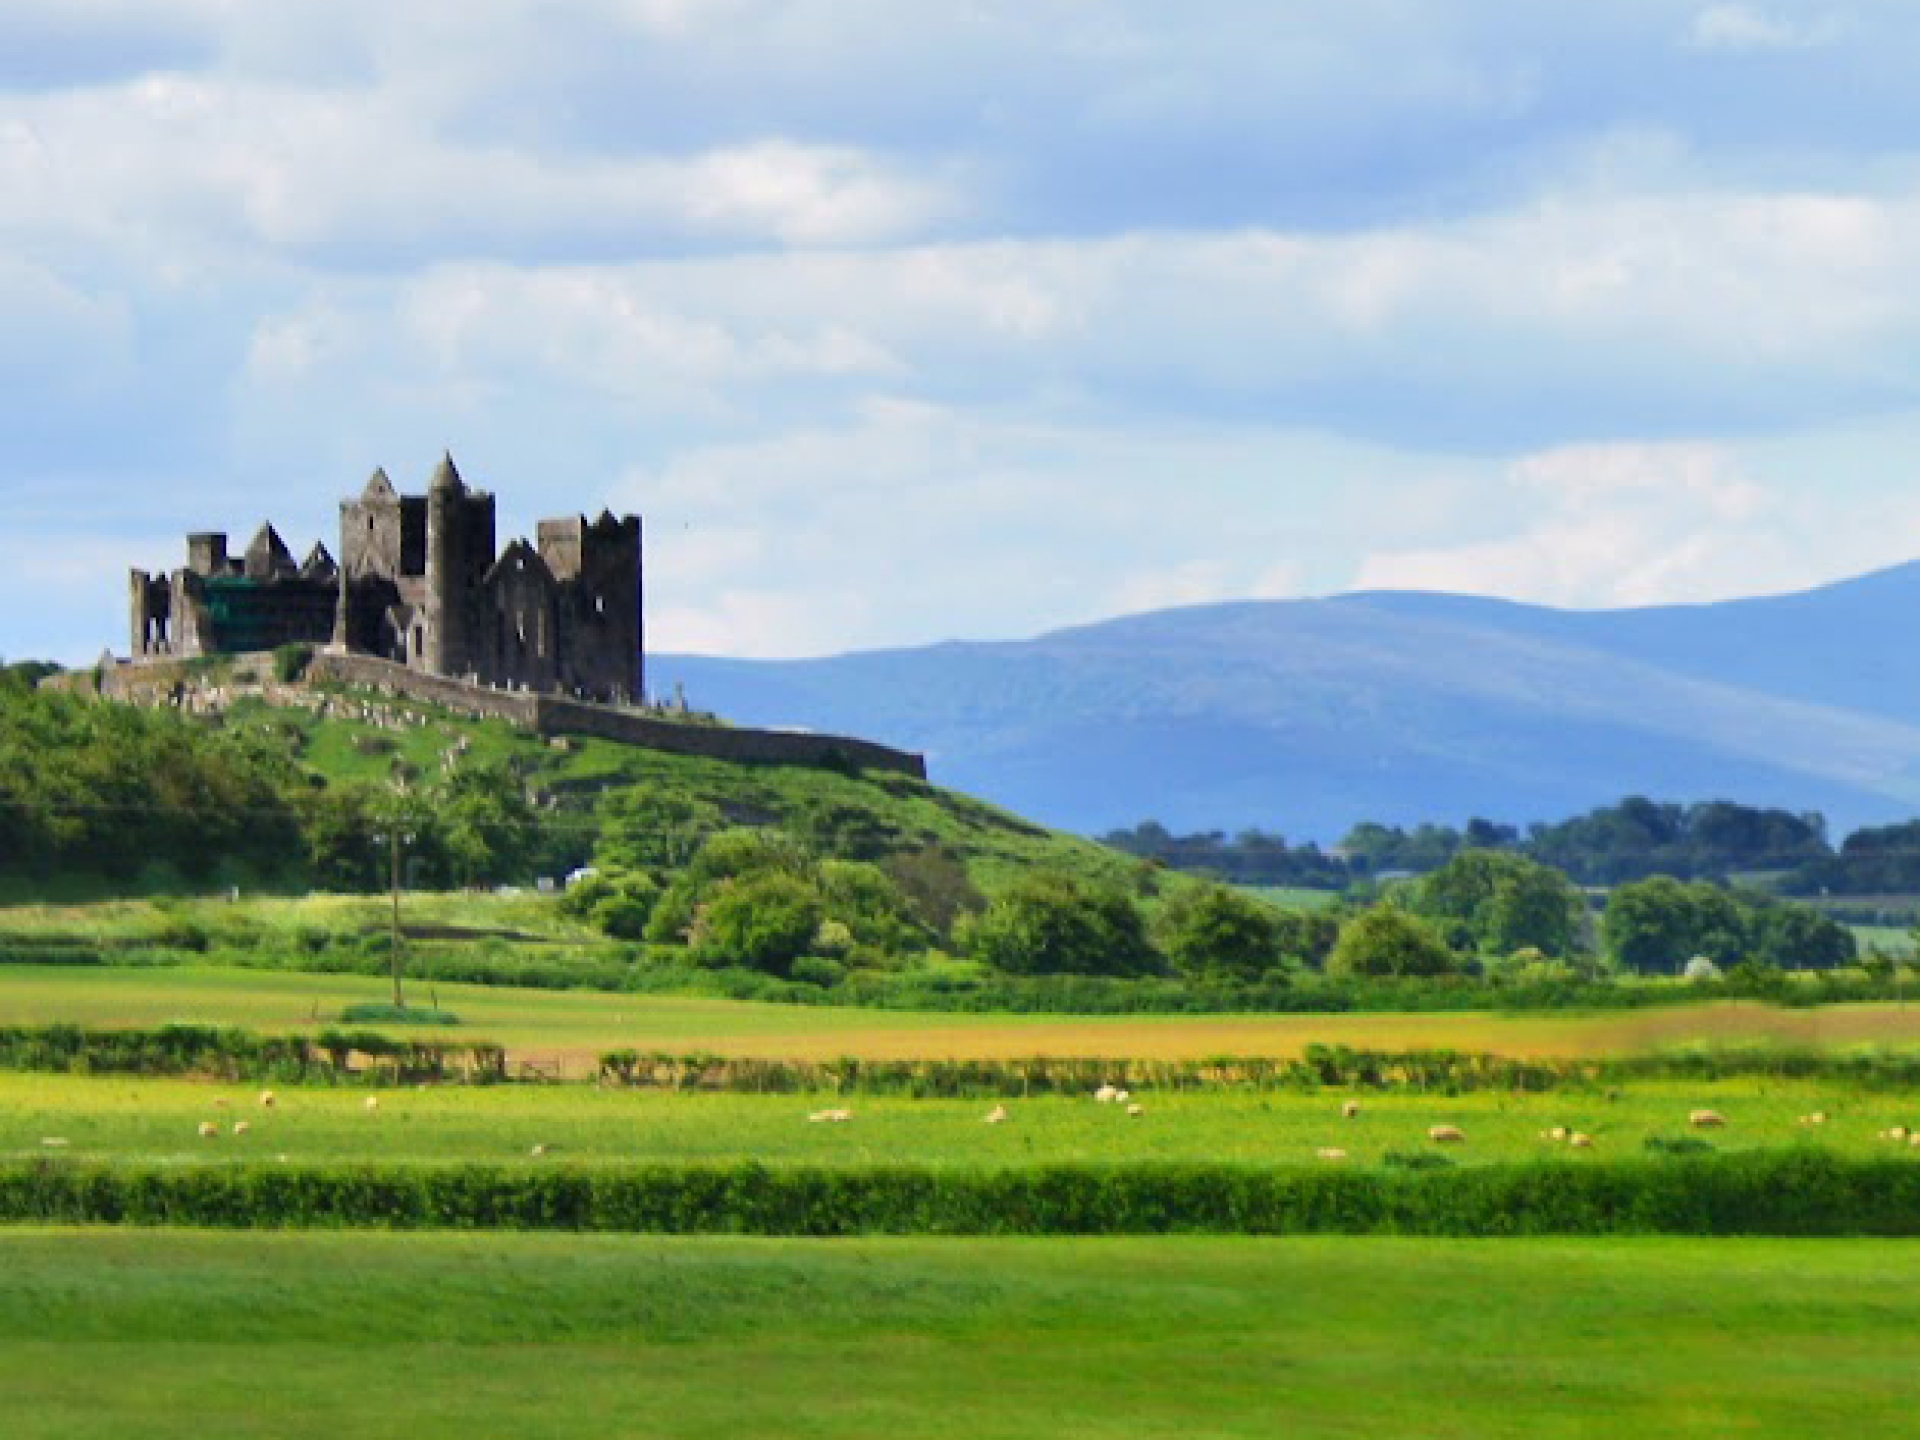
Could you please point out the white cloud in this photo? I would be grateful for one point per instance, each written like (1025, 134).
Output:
(1598, 526)
(1741, 28)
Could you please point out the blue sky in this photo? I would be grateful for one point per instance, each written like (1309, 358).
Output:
(909, 322)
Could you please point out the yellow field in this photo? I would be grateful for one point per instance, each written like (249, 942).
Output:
(576, 1026)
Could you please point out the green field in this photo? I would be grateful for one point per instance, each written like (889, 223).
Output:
(119, 1118)
(382, 1337)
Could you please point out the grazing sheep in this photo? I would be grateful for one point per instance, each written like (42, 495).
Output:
(1894, 1132)
(1557, 1133)
(1121, 1097)
(1331, 1152)
(1136, 1111)
(538, 1150)
(1350, 1110)
(997, 1115)
(267, 1099)
(1580, 1141)
(1913, 1139)
(373, 1102)
(1106, 1094)
(830, 1117)
(208, 1130)
(241, 1127)
(56, 1141)
(1446, 1135)
(1818, 1117)
(1706, 1119)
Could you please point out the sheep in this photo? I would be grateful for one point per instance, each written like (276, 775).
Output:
(1557, 1133)
(1894, 1132)
(1913, 1139)
(1121, 1097)
(538, 1150)
(997, 1115)
(1818, 1117)
(267, 1099)
(241, 1127)
(54, 1141)
(1331, 1152)
(1350, 1110)
(373, 1102)
(1706, 1119)
(1136, 1111)
(1105, 1094)
(209, 1130)
(1446, 1135)
(1580, 1141)
(830, 1117)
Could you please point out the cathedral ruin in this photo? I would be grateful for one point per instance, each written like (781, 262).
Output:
(419, 582)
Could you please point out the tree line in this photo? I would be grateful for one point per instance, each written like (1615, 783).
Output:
(1634, 839)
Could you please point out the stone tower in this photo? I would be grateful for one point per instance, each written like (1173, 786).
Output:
(597, 566)
(460, 544)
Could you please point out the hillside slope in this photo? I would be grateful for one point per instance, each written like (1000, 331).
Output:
(1304, 716)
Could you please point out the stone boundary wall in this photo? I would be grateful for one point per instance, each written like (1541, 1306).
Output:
(555, 715)
(549, 715)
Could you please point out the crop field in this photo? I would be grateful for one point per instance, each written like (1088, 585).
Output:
(165, 1334)
(117, 1118)
(575, 1027)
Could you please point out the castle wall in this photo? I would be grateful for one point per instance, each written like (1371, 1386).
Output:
(551, 715)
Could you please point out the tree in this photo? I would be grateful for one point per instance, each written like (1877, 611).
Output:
(1499, 902)
(1387, 940)
(766, 921)
(1658, 924)
(1050, 922)
(1799, 937)
(1216, 930)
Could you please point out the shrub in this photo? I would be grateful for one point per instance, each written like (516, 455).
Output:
(290, 662)
(397, 1015)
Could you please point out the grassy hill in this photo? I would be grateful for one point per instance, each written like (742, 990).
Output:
(840, 812)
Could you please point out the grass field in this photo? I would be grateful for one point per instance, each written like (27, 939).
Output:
(120, 1118)
(575, 1027)
(425, 1336)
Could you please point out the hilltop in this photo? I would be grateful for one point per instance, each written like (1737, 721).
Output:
(1305, 716)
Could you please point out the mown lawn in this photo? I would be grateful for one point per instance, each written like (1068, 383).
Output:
(127, 1119)
(416, 1337)
(575, 1027)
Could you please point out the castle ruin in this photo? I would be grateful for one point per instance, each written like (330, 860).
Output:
(418, 582)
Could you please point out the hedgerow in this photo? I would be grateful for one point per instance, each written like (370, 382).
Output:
(1801, 1194)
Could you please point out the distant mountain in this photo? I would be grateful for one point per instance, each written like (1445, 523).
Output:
(1303, 716)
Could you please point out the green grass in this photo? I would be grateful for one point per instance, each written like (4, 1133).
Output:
(1891, 938)
(116, 1119)
(428, 1336)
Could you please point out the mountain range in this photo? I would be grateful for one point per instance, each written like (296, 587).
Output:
(1304, 716)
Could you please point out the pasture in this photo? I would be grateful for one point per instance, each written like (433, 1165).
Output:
(116, 1118)
(311, 1336)
(575, 1027)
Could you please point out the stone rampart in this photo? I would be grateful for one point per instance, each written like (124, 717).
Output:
(207, 685)
(552, 715)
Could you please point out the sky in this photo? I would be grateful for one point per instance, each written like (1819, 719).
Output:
(969, 318)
